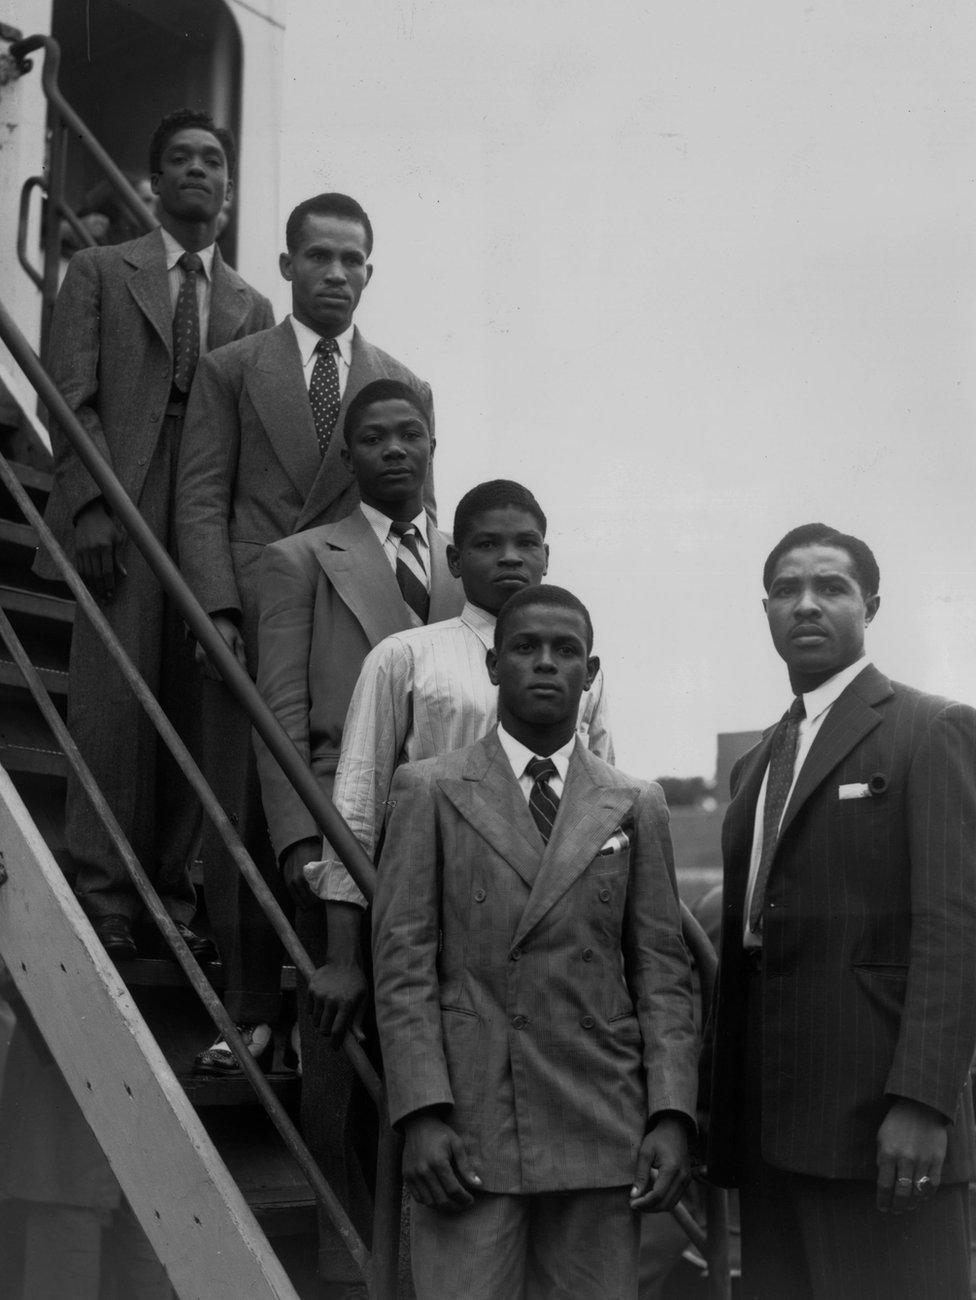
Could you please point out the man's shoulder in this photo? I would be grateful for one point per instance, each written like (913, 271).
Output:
(614, 778)
(413, 641)
(105, 259)
(923, 707)
(236, 281)
(388, 364)
(310, 541)
(425, 772)
(240, 354)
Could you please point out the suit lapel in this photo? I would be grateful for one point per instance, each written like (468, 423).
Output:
(149, 285)
(489, 799)
(276, 386)
(589, 811)
(228, 305)
(363, 578)
(738, 824)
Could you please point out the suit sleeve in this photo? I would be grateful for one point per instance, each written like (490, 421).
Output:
(937, 1037)
(373, 738)
(74, 359)
(406, 925)
(286, 598)
(206, 476)
(658, 966)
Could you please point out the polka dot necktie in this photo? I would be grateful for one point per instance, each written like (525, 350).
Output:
(323, 392)
(543, 802)
(410, 571)
(186, 324)
(782, 759)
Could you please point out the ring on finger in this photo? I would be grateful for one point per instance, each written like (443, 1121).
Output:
(923, 1184)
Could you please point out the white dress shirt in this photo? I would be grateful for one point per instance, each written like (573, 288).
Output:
(174, 252)
(817, 704)
(381, 526)
(421, 693)
(308, 341)
(520, 758)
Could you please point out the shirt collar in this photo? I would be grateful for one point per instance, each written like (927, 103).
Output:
(308, 341)
(481, 623)
(174, 251)
(380, 523)
(519, 756)
(819, 701)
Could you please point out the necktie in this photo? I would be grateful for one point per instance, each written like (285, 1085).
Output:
(543, 803)
(323, 392)
(782, 758)
(186, 324)
(410, 571)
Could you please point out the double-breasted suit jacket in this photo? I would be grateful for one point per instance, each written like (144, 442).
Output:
(539, 992)
(327, 596)
(869, 937)
(250, 471)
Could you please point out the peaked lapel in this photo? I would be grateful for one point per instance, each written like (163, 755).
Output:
(352, 558)
(149, 284)
(589, 811)
(850, 719)
(489, 799)
(276, 386)
(228, 305)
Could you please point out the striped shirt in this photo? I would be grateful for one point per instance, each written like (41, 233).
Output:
(421, 693)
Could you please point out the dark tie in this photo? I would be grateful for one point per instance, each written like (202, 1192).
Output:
(782, 758)
(543, 803)
(414, 591)
(186, 324)
(323, 392)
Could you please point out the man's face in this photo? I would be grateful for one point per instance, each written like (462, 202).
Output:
(542, 666)
(328, 272)
(504, 550)
(389, 453)
(817, 613)
(192, 181)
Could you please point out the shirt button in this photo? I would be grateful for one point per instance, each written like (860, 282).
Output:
(519, 1022)
(604, 895)
(587, 1022)
(587, 954)
(480, 895)
(515, 954)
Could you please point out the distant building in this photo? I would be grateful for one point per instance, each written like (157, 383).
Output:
(731, 746)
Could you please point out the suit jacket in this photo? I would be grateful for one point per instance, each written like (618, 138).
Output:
(869, 937)
(327, 596)
(541, 993)
(250, 471)
(111, 355)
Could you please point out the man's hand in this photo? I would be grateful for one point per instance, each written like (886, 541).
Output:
(98, 544)
(293, 863)
(437, 1169)
(911, 1150)
(231, 633)
(337, 989)
(663, 1167)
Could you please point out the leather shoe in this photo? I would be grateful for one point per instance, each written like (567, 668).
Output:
(115, 934)
(203, 949)
(219, 1060)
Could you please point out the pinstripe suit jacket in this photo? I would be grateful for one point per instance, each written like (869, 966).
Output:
(327, 596)
(869, 937)
(540, 993)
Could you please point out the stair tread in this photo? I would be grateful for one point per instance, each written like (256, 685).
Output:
(26, 743)
(54, 679)
(21, 600)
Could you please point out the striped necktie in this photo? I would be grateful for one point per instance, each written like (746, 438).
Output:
(410, 571)
(543, 802)
(782, 759)
(186, 324)
(323, 392)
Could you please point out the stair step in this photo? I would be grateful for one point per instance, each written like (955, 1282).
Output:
(36, 604)
(156, 972)
(36, 481)
(26, 743)
(272, 1183)
(205, 1091)
(17, 536)
(55, 679)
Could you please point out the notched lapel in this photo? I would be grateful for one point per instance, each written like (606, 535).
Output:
(149, 285)
(228, 306)
(363, 578)
(276, 387)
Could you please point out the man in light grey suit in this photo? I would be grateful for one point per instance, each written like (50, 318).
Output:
(260, 461)
(533, 994)
(124, 366)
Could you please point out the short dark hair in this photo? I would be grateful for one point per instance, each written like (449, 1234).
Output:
(863, 563)
(189, 119)
(496, 494)
(326, 205)
(381, 390)
(549, 596)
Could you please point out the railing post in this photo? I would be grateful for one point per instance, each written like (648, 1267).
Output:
(52, 224)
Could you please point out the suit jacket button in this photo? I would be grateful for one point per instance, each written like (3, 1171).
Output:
(519, 1022)
(480, 895)
(587, 954)
(587, 1022)
(604, 895)
(515, 954)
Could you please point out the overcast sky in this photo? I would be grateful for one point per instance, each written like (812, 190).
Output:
(695, 274)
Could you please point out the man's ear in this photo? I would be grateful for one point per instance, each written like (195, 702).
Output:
(592, 668)
(453, 560)
(369, 273)
(545, 547)
(154, 182)
(765, 605)
(228, 189)
(871, 606)
(284, 265)
(491, 660)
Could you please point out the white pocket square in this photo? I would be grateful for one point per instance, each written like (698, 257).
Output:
(615, 844)
(857, 790)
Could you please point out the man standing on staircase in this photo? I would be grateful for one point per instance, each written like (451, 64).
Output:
(130, 323)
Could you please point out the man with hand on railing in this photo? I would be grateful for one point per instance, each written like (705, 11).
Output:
(129, 325)
(533, 991)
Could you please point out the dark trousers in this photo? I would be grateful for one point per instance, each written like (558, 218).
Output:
(811, 1238)
(149, 796)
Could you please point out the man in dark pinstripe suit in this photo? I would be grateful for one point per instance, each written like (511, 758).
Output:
(845, 1018)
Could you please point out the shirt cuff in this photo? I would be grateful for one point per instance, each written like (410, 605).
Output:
(330, 881)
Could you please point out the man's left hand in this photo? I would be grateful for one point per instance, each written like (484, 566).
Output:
(911, 1152)
(663, 1167)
